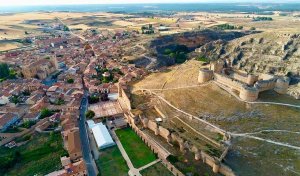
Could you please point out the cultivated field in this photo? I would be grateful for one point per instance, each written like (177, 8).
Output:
(39, 156)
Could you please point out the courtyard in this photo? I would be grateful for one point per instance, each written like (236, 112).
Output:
(111, 161)
(135, 148)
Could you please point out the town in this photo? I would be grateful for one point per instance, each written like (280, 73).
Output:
(149, 94)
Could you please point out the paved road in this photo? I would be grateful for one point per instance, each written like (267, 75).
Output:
(86, 151)
(84, 138)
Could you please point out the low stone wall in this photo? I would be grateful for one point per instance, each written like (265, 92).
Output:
(171, 168)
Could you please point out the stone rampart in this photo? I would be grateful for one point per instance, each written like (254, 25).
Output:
(123, 99)
(229, 82)
(263, 85)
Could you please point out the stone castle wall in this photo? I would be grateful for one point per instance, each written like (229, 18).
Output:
(228, 81)
(215, 163)
(123, 99)
(263, 85)
(239, 77)
(248, 86)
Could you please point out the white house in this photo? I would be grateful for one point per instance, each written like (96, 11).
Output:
(4, 99)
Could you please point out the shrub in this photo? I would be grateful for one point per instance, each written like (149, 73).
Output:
(172, 159)
(202, 59)
(70, 81)
(46, 113)
(90, 114)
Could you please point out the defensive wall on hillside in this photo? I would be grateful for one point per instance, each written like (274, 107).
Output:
(215, 163)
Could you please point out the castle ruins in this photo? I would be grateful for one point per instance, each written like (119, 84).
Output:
(140, 124)
(248, 86)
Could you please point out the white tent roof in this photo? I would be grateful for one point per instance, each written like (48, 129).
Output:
(90, 123)
(102, 136)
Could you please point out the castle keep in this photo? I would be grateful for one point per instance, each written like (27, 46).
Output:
(248, 86)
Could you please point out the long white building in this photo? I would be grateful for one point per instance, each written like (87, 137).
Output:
(101, 134)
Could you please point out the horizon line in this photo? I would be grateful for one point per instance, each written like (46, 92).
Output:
(210, 2)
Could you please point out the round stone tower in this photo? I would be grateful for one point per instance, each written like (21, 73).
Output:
(281, 85)
(205, 75)
(251, 79)
(248, 93)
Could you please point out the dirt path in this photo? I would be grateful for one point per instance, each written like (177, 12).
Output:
(246, 135)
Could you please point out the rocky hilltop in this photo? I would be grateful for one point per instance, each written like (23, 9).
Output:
(259, 53)
(275, 53)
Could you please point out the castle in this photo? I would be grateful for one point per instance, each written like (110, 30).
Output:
(41, 68)
(248, 86)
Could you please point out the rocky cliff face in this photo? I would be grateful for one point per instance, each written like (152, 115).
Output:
(273, 53)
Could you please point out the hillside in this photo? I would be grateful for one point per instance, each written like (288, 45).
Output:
(259, 53)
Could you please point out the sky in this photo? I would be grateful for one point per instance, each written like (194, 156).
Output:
(59, 2)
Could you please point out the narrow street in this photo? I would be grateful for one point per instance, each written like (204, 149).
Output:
(85, 144)
(84, 137)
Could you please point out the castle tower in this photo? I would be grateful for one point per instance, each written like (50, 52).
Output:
(251, 79)
(281, 85)
(217, 66)
(248, 93)
(205, 75)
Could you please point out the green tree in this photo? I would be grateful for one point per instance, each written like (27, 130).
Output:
(66, 28)
(15, 99)
(46, 113)
(90, 114)
(70, 81)
(4, 70)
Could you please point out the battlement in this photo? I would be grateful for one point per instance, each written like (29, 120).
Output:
(248, 85)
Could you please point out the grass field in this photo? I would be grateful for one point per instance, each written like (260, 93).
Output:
(156, 169)
(111, 161)
(39, 156)
(136, 149)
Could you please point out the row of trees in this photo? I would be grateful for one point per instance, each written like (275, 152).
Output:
(262, 19)
(228, 27)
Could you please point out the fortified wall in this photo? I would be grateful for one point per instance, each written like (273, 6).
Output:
(137, 123)
(184, 145)
(248, 85)
(123, 99)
